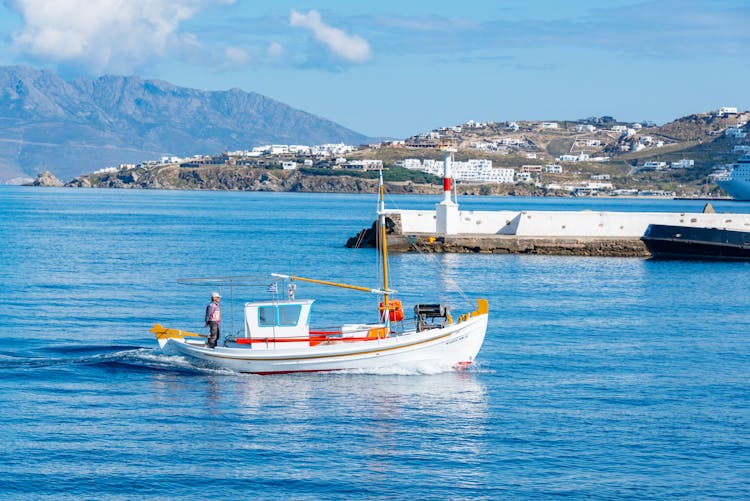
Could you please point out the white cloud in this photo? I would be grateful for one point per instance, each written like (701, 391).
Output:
(275, 49)
(103, 34)
(350, 48)
(236, 57)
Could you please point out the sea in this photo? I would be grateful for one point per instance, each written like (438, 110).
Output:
(599, 378)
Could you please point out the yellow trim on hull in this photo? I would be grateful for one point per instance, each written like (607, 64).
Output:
(213, 354)
(164, 333)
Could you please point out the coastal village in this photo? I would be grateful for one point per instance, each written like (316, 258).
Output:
(597, 156)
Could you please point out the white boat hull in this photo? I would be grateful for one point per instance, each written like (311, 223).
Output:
(452, 346)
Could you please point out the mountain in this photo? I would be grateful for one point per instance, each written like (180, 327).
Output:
(72, 127)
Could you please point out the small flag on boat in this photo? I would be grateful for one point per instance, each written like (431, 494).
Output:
(273, 288)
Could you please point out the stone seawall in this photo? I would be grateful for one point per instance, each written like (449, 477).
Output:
(497, 244)
(512, 244)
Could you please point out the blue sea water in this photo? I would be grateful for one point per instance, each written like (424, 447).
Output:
(599, 377)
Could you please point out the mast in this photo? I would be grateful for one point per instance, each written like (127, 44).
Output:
(383, 248)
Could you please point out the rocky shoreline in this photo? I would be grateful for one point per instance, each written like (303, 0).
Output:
(240, 178)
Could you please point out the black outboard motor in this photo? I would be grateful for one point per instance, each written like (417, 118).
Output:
(431, 316)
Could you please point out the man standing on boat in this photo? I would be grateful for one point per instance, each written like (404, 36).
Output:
(213, 319)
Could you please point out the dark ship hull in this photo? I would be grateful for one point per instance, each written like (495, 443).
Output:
(685, 242)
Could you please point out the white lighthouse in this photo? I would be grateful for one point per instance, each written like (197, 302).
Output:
(446, 212)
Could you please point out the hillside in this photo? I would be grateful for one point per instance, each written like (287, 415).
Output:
(617, 158)
(72, 127)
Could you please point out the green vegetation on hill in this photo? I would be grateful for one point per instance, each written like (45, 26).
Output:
(390, 174)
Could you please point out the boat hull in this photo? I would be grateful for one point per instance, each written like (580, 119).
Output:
(738, 184)
(738, 189)
(454, 346)
(684, 242)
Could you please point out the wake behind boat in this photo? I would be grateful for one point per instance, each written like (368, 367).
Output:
(277, 336)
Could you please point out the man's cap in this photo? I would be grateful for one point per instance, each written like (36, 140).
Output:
(216, 294)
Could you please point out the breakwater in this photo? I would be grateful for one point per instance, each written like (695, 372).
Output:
(584, 233)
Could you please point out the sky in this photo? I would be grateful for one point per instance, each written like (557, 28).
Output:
(398, 68)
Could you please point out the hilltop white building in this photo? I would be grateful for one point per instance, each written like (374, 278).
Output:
(685, 163)
(471, 171)
(653, 164)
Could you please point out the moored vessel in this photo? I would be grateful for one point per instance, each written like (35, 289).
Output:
(737, 183)
(686, 242)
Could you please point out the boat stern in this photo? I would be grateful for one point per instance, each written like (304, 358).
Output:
(163, 334)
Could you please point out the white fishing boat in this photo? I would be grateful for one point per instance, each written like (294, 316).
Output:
(277, 337)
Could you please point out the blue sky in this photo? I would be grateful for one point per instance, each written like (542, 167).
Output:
(391, 68)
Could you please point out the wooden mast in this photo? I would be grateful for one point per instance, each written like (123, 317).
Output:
(383, 249)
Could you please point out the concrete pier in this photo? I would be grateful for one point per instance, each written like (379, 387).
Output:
(581, 233)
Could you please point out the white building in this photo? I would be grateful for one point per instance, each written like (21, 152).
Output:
(598, 186)
(653, 164)
(585, 128)
(726, 110)
(531, 168)
(735, 132)
(523, 177)
(553, 169)
(550, 125)
(483, 146)
(471, 171)
(480, 171)
(299, 149)
(289, 165)
(106, 170)
(364, 165)
(583, 157)
(326, 150)
(685, 163)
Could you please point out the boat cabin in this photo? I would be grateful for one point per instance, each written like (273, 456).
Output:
(278, 320)
(286, 324)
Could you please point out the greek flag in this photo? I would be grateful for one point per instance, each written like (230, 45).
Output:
(273, 288)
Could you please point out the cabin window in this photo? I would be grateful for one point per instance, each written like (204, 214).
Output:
(286, 315)
(266, 316)
(289, 314)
